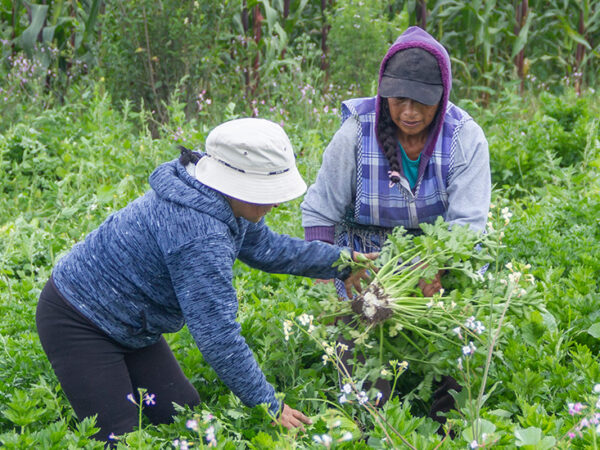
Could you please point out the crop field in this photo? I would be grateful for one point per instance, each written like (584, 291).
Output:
(522, 336)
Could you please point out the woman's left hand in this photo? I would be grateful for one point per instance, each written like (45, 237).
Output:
(353, 281)
(432, 288)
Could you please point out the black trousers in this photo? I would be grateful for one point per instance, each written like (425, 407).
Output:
(97, 373)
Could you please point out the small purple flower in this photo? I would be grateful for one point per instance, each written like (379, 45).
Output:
(149, 399)
(131, 398)
(192, 424)
(575, 408)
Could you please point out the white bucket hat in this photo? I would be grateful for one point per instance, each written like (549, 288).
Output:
(251, 160)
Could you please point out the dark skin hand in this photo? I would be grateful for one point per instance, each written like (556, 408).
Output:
(432, 288)
(353, 281)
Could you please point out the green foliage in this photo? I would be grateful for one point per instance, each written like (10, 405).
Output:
(65, 167)
(358, 41)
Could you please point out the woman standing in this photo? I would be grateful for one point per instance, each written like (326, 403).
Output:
(404, 157)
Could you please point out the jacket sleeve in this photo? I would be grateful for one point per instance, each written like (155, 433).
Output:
(326, 201)
(278, 253)
(469, 186)
(201, 272)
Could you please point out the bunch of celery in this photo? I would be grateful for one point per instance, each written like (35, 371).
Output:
(393, 293)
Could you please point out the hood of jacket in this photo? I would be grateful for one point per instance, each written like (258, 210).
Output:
(417, 37)
(171, 182)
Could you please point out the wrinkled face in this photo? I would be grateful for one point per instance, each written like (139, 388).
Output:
(252, 212)
(411, 117)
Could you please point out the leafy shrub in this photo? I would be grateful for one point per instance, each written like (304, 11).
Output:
(359, 38)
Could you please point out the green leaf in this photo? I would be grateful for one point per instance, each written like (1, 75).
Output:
(521, 38)
(532, 437)
(483, 427)
(594, 330)
(29, 36)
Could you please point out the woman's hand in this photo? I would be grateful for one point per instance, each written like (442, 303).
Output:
(292, 418)
(430, 289)
(353, 281)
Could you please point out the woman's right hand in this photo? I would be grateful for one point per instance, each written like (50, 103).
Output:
(292, 418)
(353, 281)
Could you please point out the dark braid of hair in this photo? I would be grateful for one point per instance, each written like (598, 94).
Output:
(386, 134)
(188, 156)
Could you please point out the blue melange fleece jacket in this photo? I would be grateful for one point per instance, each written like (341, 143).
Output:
(166, 260)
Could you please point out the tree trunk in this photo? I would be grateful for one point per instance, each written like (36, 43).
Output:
(325, 27)
(521, 11)
(257, 25)
(421, 13)
(579, 54)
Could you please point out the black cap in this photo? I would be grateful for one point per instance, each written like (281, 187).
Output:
(413, 73)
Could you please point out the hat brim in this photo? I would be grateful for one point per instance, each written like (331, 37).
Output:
(251, 188)
(428, 94)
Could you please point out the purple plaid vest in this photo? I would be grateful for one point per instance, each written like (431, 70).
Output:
(378, 207)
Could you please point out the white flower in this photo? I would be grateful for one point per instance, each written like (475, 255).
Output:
(384, 372)
(470, 322)
(362, 397)
(479, 328)
(329, 350)
(473, 444)
(343, 399)
(305, 319)
(342, 347)
(210, 436)
(192, 424)
(336, 424)
(514, 277)
(324, 439)
(596, 389)
(457, 330)
(287, 328)
(347, 388)
(469, 349)
(529, 278)
(459, 364)
(347, 436)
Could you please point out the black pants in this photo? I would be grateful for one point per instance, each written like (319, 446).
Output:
(96, 373)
